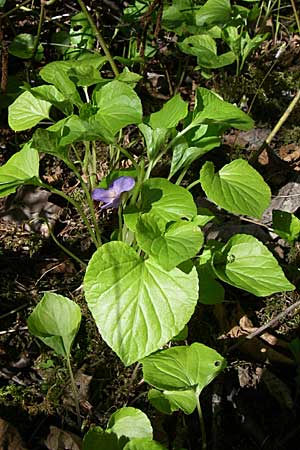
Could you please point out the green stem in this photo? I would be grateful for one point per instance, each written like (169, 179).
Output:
(296, 15)
(64, 249)
(120, 233)
(15, 9)
(74, 390)
(128, 155)
(202, 424)
(99, 37)
(181, 176)
(277, 127)
(76, 206)
(194, 183)
(39, 30)
(90, 204)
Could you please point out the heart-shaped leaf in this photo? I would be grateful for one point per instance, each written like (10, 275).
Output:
(21, 168)
(55, 321)
(136, 304)
(27, 111)
(246, 263)
(237, 187)
(171, 113)
(169, 247)
(183, 368)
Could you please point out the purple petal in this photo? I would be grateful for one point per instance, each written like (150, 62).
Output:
(103, 195)
(122, 184)
(114, 204)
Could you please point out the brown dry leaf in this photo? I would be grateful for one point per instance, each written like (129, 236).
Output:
(259, 348)
(291, 154)
(10, 438)
(59, 439)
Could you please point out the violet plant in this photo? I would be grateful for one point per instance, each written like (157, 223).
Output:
(142, 287)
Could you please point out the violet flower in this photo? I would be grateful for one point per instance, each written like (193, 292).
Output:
(111, 197)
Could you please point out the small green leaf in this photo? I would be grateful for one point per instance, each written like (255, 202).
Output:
(169, 401)
(214, 12)
(54, 96)
(168, 246)
(27, 111)
(23, 45)
(55, 321)
(237, 187)
(119, 106)
(286, 225)
(56, 73)
(154, 139)
(186, 152)
(143, 444)
(98, 439)
(171, 113)
(244, 262)
(167, 200)
(135, 302)
(183, 368)
(130, 423)
(211, 109)
(21, 168)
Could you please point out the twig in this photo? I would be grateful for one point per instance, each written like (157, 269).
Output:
(99, 37)
(269, 324)
(275, 130)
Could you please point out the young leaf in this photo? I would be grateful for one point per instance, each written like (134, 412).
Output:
(154, 139)
(118, 105)
(171, 113)
(169, 247)
(23, 45)
(143, 444)
(214, 12)
(167, 200)
(27, 111)
(21, 168)
(286, 225)
(211, 109)
(237, 187)
(183, 368)
(55, 321)
(244, 262)
(98, 439)
(169, 401)
(136, 304)
(129, 423)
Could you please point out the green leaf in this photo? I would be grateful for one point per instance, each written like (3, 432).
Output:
(210, 108)
(128, 77)
(169, 401)
(204, 47)
(55, 321)
(52, 95)
(185, 153)
(164, 199)
(244, 262)
(286, 225)
(237, 187)
(21, 168)
(129, 423)
(119, 106)
(125, 424)
(167, 200)
(23, 45)
(143, 444)
(56, 73)
(154, 139)
(211, 292)
(2, 3)
(135, 302)
(171, 113)
(98, 439)
(27, 111)
(214, 12)
(180, 16)
(168, 246)
(183, 368)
